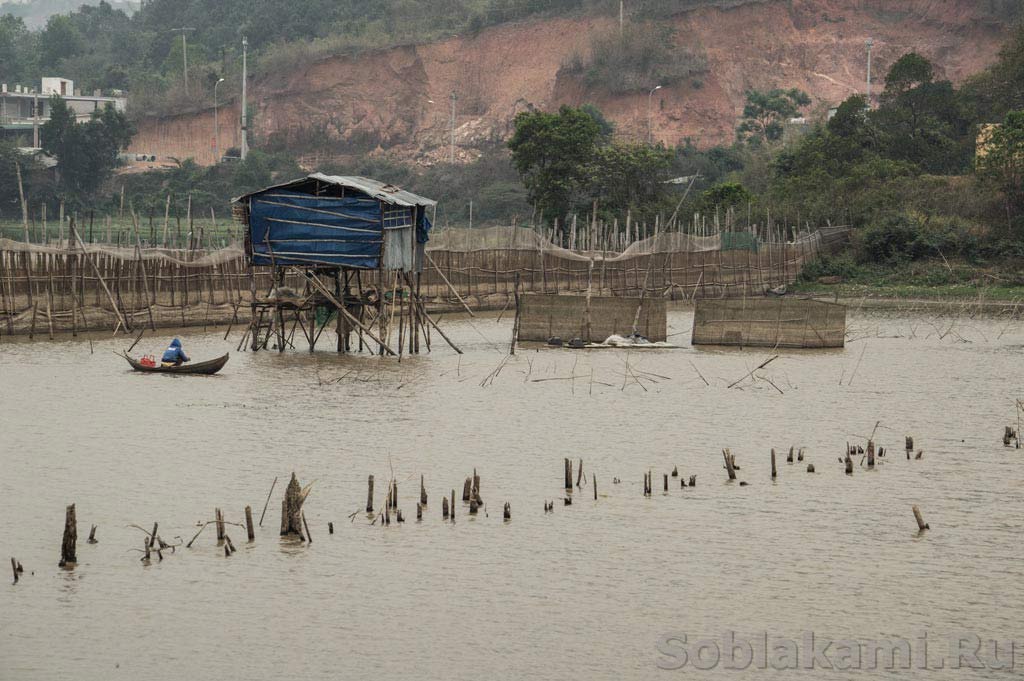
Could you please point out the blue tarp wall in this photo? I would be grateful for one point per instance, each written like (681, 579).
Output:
(320, 230)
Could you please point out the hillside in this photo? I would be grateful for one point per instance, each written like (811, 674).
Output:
(382, 99)
(36, 12)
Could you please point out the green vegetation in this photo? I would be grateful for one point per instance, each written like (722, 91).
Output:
(87, 153)
(568, 164)
(927, 210)
(640, 57)
(765, 114)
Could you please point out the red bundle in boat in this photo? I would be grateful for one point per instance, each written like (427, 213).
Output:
(148, 361)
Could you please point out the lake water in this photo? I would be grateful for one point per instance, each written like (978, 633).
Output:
(595, 590)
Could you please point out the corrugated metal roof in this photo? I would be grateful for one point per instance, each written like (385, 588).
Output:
(387, 193)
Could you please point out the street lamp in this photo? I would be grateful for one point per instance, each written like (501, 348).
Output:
(870, 43)
(453, 98)
(650, 126)
(245, 112)
(216, 125)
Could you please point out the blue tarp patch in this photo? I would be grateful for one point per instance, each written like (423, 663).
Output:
(302, 229)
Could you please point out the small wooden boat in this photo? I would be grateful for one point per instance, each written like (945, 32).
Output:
(204, 368)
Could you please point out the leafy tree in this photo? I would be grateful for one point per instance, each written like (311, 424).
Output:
(724, 196)
(766, 112)
(1001, 162)
(553, 153)
(33, 177)
(87, 153)
(996, 91)
(17, 50)
(629, 176)
(909, 72)
(920, 118)
(60, 40)
(606, 126)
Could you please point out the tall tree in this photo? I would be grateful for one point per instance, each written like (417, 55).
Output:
(1001, 163)
(765, 113)
(553, 153)
(86, 153)
(920, 118)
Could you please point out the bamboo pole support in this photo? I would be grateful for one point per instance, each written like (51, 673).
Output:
(369, 495)
(729, 464)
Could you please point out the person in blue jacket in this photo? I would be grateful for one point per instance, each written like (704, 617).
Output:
(174, 356)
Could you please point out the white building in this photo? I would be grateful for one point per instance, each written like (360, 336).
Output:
(23, 109)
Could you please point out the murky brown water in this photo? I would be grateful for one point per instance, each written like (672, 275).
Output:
(587, 592)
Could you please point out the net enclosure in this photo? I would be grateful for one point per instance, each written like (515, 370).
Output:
(333, 221)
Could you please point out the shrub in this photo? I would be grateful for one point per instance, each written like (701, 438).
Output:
(891, 239)
(841, 265)
(641, 57)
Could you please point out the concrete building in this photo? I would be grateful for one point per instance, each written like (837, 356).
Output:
(23, 109)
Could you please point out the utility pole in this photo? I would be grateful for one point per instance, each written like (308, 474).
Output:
(245, 114)
(870, 44)
(184, 52)
(453, 98)
(622, 16)
(35, 121)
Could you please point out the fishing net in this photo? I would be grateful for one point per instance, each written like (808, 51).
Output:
(183, 257)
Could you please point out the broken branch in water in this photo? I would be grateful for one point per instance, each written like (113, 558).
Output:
(699, 373)
(751, 372)
(203, 527)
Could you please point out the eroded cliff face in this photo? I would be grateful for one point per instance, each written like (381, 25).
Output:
(398, 99)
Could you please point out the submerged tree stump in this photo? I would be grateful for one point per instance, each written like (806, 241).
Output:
(291, 509)
(730, 464)
(68, 557)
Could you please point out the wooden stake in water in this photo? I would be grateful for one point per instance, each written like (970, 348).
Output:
(369, 495)
(729, 464)
(774, 471)
(921, 524)
(250, 531)
(68, 557)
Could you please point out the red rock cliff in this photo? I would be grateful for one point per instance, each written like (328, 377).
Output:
(386, 97)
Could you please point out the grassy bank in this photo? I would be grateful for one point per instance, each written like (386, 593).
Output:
(931, 279)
